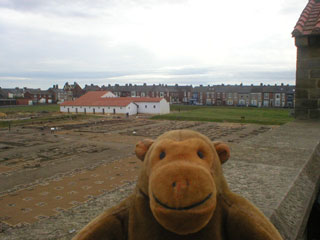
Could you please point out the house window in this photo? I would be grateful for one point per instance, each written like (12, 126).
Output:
(154, 106)
(145, 106)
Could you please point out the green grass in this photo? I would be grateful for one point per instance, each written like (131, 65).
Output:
(268, 116)
(30, 109)
(45, 115)
(45, 119)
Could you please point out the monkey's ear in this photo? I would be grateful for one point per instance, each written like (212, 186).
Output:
(142, 148)
(223, 151)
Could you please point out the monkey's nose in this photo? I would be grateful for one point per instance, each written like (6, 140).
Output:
(180, 186)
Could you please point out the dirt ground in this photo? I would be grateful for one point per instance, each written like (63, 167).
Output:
(53, 183)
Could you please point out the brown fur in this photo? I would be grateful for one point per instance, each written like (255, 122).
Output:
(181, 193)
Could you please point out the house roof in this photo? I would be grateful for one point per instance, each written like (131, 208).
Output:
(309, 21)
(95, 98)
(36, 91)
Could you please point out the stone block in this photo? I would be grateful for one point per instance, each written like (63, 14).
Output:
(314, 93)
(314, 52)
(315, 73)
(314, 113)
(314, 41)
(299, 102)
(306, 83)
(302, 74)
(301, 113)
(310, 63)
(301, 41)
(305, 53)
(302, 93)
(310, 103)
(302, 53)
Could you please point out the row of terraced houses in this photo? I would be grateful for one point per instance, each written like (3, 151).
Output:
(216, 95)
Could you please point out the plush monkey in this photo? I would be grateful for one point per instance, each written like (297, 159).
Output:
(181, 193)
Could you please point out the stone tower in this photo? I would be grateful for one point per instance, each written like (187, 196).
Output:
(307, 41)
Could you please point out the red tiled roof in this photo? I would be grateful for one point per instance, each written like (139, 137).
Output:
(309, 21)
(95, 99)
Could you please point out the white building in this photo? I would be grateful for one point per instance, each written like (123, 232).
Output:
(103, 102)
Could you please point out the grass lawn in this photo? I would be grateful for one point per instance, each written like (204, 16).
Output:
(269, 116)
(41, 114)
(32, 109)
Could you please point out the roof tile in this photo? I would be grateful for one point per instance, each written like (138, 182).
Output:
(309, 21)
(94, 98)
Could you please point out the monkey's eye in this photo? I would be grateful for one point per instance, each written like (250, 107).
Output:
(162, 155)
(200, 154)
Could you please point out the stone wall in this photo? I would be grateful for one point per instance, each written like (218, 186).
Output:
(307, 97)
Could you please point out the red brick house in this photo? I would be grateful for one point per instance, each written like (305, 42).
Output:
(38, 96)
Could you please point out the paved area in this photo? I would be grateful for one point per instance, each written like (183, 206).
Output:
(44, 174)
(53, 184)
(29, 205)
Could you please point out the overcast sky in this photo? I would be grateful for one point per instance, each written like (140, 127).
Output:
(46, 42)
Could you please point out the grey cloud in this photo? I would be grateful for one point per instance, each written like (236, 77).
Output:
(47, 79)
(64, 75)
(295, 7)
(33, 50)
(189, 71)
(81, 9)
(23, 5)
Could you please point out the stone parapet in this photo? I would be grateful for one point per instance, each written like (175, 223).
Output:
(279, 171)
(307, 104)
